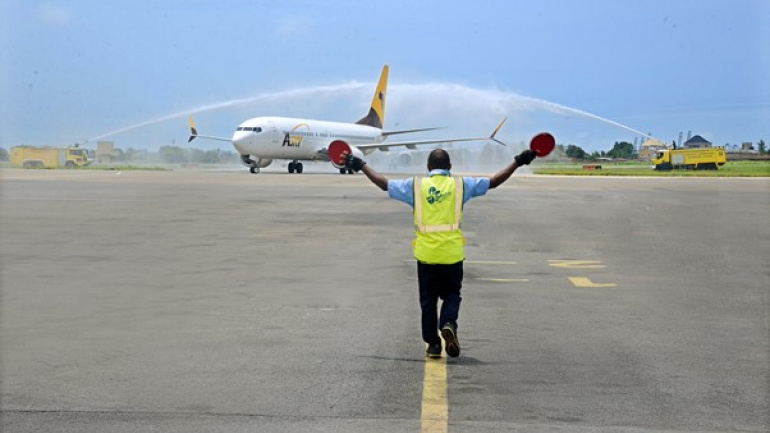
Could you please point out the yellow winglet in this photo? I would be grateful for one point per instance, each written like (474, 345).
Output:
(492, 137)
(193, 131)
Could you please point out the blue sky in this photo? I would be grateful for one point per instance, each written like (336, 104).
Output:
(74, 70)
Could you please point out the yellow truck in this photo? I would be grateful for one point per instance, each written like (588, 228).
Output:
(48, 157)
(709, 158)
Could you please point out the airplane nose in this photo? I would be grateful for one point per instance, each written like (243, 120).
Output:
(240, 139)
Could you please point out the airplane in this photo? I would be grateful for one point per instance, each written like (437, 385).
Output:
(261, 140)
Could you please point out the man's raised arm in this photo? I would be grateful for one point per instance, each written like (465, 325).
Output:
(501, 176)
(357, 164)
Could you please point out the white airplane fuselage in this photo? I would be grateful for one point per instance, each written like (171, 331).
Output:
(296, 139)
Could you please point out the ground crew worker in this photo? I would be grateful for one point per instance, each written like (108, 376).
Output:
(438, 201)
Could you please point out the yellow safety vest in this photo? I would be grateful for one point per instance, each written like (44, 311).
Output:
(438, 216)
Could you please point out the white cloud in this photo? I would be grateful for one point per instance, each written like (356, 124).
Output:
(51, 14)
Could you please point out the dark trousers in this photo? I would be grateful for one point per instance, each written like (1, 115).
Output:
(439, 282)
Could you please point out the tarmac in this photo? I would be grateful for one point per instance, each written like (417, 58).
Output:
(220, 301)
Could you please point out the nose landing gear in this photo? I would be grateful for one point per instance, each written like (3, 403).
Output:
(248, 162)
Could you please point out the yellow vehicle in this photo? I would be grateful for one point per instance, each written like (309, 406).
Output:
(709, 158)
(48, 157)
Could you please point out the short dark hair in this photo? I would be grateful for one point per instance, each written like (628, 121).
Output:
(439, 159)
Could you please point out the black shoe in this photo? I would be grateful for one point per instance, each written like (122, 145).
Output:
(433, 350)
(451, 343)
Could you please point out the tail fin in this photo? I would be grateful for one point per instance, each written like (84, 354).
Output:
(376, 116)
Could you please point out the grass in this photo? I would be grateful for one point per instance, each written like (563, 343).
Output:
(730, 169)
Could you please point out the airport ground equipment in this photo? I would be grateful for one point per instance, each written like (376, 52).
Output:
(48, 157)
(690, 159)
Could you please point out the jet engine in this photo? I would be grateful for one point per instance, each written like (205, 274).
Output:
(253, 165)
(405, 159)
(263, 162)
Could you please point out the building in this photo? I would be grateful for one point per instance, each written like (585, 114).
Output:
(696, 142)
(650, 148)
(105, 152)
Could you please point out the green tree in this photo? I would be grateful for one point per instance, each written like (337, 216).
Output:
(226, 156)
(132, 154)
(204, 157)
(622, 149)
(172, 154)
(118, 155)
(3, 154)
(761, 146)
(575, 152)
(212, 157)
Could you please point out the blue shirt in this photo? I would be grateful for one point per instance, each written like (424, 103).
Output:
(403, 189)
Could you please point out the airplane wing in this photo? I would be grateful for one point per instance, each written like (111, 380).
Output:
(407, 131)
(412, 144)
(194, 134)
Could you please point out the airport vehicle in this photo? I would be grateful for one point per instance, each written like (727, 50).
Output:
(261, 140)
(690, 159)
(48, 157)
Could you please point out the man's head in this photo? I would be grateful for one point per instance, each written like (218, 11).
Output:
(439, 159)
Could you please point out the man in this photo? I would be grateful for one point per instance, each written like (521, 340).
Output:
(438, 201)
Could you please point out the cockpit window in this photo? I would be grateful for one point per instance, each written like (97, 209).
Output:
(249, 128)
(240, 128)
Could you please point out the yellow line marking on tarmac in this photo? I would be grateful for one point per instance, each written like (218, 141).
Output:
(577, 264)
(585, 282)
(504, 280)
(435, 405)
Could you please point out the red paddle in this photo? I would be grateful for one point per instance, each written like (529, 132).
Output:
(336, 151)
(542, 144)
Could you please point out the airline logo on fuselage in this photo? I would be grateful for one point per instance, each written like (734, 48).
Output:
(294, 137)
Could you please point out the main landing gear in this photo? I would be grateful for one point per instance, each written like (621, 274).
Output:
(346, 170)
(295, 166)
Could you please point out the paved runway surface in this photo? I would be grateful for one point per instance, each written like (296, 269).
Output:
(224, 301)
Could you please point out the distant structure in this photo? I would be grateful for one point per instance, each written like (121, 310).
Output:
(696, 142)
(105, 152)
(746, 151)
(650, 148)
